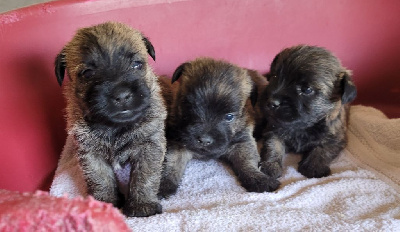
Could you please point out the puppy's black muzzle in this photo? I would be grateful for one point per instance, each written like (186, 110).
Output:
(273, 104)
(122, 98)
(207, 145)
(205, 140)
(280, 111)
(128, 104)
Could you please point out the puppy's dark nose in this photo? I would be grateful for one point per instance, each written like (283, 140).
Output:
(123, 97)
(274, 104)
(205, 140)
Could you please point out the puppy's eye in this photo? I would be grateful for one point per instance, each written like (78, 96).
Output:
(87, 73)
(306, 90)
(137, 65)
(229, 117)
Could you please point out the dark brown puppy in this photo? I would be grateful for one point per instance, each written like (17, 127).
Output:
(211, 118)
(115, 115)
(305, 106)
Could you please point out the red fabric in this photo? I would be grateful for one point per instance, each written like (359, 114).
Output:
(42, 212)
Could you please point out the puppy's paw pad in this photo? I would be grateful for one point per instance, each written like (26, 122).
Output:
(262, 184)
(311, 171)
(142, 209)
(272, 169)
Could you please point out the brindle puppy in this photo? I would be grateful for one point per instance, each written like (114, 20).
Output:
(211, 118)
(305, 110)
(115, 114)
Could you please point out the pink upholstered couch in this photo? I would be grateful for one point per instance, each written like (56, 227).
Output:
(363, 33)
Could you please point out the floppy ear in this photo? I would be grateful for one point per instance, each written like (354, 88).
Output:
(178, 72)
(253, 94)
(255, 79)
(59, 67)
(268, 76)
(273, 63)
(349, 90)
(150, 48)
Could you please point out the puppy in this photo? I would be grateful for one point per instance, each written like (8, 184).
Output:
(115, 115)
(211, 118)
(304, 109)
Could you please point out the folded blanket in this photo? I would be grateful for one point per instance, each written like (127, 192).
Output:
(354, 197)
(374, 143)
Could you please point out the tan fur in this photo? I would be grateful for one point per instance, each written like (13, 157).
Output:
(213, 79)
(105, 150)
(305, 106)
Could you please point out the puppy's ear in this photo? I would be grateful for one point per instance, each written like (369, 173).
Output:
(268, 76)
(254, 94)
(178, 72)
(349, 90)
(273, 64)
(256, 79)
(59, 67)
(150, 48)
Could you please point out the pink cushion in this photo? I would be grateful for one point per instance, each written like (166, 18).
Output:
(42, 212)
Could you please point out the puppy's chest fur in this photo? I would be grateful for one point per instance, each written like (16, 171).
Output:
(115, 145)
(304, 139)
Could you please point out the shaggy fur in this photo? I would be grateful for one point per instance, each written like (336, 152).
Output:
(305, 106)
(115, 114)
(212, 118)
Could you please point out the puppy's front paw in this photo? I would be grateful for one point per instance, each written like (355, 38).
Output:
(314, 170)
(116, 199)
(167, 188)
(142, 209)
(261, 183)
(272, 169)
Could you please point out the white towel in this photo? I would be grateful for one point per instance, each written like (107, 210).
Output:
(68, 179)
(210, 198)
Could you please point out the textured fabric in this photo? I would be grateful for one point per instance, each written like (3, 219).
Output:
(41, 212)
(210, 198)
(68, 179)
(374, 143)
